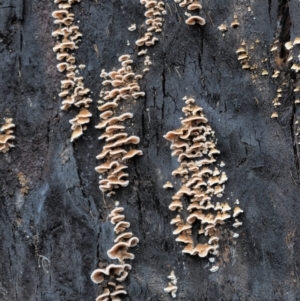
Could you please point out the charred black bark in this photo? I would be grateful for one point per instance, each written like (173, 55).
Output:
(63, 218)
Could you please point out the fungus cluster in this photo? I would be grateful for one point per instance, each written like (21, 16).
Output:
(24, 182)
(111, 276)
(290, 46)
(73, 91)
(234, 24)
(193, 144)
(154, 21)
(6, 135)
(172, 287)
(119, 85)
(243, 57)
(295, 66)
(276, 101)
(191, 5)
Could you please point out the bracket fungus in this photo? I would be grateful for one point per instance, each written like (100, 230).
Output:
(192, 20)
(168, 185)
(192, 5)
(172, 287)
(110, 275)
(6, 135)
(154, 22)
(202, 180)
(73, 91)
(118, 85)
(235, 23)
(223, 27)
(243, 56)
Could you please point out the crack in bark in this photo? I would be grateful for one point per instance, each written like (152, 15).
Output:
(284, 35)
(294, 139)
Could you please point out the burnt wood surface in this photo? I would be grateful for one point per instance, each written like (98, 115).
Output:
(64, 215)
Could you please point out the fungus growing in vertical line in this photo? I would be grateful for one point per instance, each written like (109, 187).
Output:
(243, 57)
(155, 10)
(67, 35)
(113, 273)
(119, 85)
(194, 145)
(6, 135)
(172, 285)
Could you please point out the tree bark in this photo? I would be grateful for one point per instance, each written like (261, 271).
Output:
(53, 237)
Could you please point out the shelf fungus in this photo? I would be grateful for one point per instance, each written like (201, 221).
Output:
(192, 5)
(202, 180)
(243, 57)
(235, 23)
(172, 285)
(168, 185)
(119, 85)
(223, 27)
(155, 11)
(73, 91)
(6, 135)
(110, 276)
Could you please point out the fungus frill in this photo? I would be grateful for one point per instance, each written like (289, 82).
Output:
(235, 23)
(110, 275)
(194, 20)
(73, 91)
(6, 135)
(124, 241)
(202, 180)
(168, 185)
(121, 84)
(98, 275)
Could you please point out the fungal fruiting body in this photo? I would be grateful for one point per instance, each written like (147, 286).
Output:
(113, 274)
(154, 21)
(243, 57)
(235, 23)
(223, 27)
(6, 135)
(281, 82)
(202, 180)
(191, 5)
(73, 91)
(155, 10)
(276, 101)
(118, 86)
(172, 287)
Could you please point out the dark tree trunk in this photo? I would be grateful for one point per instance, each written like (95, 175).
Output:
(53, 237)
